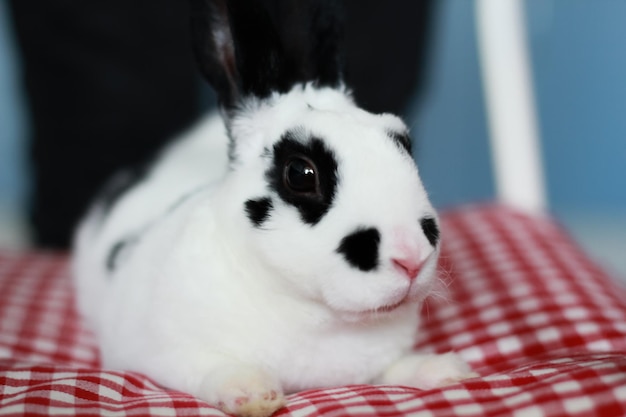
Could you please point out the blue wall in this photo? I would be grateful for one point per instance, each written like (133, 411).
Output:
(13, 170)
(448, 123)
(579, 58)
(578, 49)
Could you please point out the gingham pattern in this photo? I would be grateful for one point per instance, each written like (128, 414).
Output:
(543, 326)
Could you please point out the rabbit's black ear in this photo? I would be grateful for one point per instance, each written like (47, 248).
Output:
(312, 31)
(238, 49)
(327, 28)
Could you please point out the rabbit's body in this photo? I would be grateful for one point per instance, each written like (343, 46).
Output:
(172, 241)
(287, 248)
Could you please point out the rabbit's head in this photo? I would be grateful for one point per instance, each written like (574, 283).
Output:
(328, 195)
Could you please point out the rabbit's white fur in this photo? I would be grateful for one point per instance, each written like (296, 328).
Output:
(203, 301)
(237, 280)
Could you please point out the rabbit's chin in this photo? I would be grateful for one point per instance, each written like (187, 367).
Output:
(387, 312)
(407, 302)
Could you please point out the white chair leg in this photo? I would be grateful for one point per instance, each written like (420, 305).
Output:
(508, 87)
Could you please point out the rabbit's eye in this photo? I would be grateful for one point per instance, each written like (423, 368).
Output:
(300, 175)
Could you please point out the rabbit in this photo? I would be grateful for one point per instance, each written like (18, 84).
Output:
(282, 244)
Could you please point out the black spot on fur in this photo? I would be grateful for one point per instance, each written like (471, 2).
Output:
(134, 172)
(258, 211)
(183, 199)
(401, 139)
(118, 251)
(431, 230)
(120, 184)
(360, 249)
(297, 143)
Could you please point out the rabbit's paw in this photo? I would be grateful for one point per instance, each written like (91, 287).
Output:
(427, 371)
(244, 392)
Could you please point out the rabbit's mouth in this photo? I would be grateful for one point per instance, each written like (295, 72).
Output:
(407, 298)
(391, 307)
(415, 294)
(385, 310)
(398, 302)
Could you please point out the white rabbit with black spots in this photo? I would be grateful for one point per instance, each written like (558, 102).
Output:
(285, 245)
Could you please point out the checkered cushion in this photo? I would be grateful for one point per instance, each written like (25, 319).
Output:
(543, 326)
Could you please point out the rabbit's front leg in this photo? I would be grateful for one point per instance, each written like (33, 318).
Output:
(427, 371)
(242, 390)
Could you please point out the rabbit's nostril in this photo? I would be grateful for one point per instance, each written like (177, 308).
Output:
(408, 267)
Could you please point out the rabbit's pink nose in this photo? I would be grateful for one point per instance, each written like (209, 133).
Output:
(408, 267)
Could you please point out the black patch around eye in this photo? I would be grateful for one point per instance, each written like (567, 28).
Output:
(119, 251)
(401, 139)
(294, 144)
(431, 230)
(258, 211)
(360, 249)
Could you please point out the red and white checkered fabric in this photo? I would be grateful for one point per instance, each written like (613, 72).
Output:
(543, 326)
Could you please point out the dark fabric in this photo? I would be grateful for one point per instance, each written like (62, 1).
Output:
(385, 45)
(109, 81)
